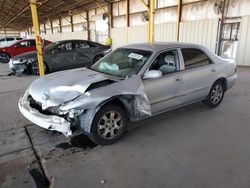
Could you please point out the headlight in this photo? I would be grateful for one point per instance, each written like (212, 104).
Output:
(22, 61)
(75, 112)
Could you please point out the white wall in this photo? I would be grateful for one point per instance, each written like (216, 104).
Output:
(165, 32)
(64, 36)
(202, 32)
(243, 53)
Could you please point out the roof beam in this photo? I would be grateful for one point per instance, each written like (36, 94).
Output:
(26, 7)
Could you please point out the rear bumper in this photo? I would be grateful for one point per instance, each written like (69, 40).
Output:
(50, 122)
(231, 80)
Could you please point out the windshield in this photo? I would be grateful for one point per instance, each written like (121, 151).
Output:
(122, 62)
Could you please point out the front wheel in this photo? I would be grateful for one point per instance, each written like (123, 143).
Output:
(215, 95)
(108, 125)
(4, 58)
(34, 68)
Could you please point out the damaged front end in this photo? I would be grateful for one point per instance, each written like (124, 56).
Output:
(68, 107)
(20, 66)
(33, 112)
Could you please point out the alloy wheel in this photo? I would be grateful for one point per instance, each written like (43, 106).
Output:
(216, 94)
(110, 124)
(4, 58)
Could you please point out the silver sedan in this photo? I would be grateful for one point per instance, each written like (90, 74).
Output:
(129, 84)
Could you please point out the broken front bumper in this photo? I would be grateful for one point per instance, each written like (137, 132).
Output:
(50, 122)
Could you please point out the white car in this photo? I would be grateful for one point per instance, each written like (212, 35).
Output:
(8, 41)
(131, 83)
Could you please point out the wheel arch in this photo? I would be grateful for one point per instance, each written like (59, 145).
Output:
(125, 101)
(46, 64)
(223, 80)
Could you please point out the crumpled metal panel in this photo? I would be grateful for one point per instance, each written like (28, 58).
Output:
(92, 100)
(54, 89)
(51, 91)
(132, 86)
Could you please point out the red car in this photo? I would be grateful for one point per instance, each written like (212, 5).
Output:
(17, 48)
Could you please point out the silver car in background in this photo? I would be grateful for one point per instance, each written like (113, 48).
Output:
(129, 84)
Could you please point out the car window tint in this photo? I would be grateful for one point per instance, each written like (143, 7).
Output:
(194, 58)
(166, 62)
(65, 46)
(32, 43)
(82, 45)
(22, 44)
(10, 39)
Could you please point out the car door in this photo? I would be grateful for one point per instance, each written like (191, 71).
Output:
(84, 53)
(31, 45)
(21, 47)
(164, 93)
(63, 55)
(199, 74)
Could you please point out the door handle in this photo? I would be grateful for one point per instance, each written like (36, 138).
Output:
(178, 79)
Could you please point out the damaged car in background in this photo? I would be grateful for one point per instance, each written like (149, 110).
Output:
(18, 47)
(129, 84)
(61, 55)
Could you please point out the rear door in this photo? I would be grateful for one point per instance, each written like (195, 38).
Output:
(84, 53)
(164, 93)
(199, 74)
(63, 55)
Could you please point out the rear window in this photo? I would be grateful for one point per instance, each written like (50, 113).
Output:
(194, 58)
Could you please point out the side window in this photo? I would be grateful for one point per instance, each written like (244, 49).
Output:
(81, 44)
(18, 38)
(64, 46)
(10, 39)
(22, 44)
(32, 43)
(194, 58)
(166, 62)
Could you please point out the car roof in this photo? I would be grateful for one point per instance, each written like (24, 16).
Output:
(158, 46)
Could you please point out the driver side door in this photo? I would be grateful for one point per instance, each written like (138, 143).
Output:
(165, 93)
(63, 56)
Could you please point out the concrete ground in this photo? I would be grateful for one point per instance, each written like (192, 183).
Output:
(190, 147)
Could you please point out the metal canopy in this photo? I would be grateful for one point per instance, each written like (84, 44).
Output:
(16, 14)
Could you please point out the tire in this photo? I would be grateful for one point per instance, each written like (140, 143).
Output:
(105, 129)
(34, 68)
(215, 95)
(4, 58)
(97, 58)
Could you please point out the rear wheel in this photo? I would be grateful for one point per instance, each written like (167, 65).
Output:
(108, 125)
(4, 58)
(215, 95)
(34, 68)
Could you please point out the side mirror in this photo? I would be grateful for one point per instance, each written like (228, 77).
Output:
(152, 74)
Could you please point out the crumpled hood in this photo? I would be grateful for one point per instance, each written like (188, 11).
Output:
(64, 86)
